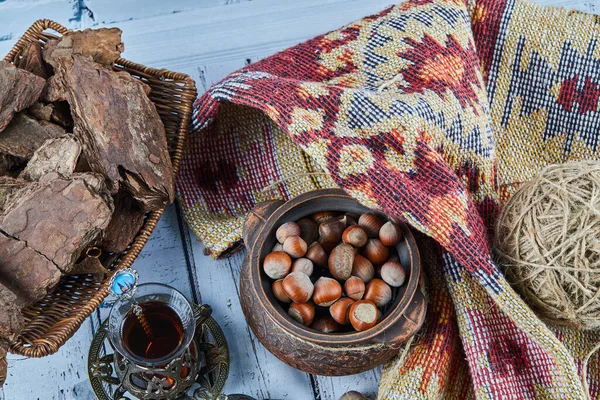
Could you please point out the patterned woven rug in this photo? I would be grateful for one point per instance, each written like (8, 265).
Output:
(433, 111)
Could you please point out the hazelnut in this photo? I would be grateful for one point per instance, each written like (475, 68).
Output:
(371, 224)
(327, 245)
(353, 395)
(322, 216)
(339, 310)
(354, 288)
(308, 230)
(355, 236)
(353, 215)
(277, 247)
(352, 219)
(298, 287)
(286, 230)
(325, 324)
(393, 273)
(378, 292)
(389, 234)
(277, 264)
(303, 313)
(303, 265)
(317, 254)
(393, 256)
(340, 261)
(374, 251)
(332, 229)
(363, 268)
(363, 315)
(327, 291)
(295, 246)
(279, 293)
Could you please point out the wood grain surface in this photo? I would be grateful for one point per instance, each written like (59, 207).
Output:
(207, 39)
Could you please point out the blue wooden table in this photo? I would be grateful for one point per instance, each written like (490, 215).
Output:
(206, 39)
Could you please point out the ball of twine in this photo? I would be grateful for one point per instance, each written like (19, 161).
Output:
(548, 237)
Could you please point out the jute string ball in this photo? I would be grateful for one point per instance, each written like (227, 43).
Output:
(548, 239)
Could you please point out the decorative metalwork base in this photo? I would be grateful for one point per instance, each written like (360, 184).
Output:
(213, 360)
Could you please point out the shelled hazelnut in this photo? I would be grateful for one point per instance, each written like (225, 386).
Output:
(334, 271)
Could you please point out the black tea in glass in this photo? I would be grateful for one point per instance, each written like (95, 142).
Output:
(162, 335)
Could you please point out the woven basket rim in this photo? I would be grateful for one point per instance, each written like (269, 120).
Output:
(60, 331)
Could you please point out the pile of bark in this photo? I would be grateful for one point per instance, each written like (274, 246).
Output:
(83, 157)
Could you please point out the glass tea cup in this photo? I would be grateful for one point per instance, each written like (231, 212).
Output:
(156, 356)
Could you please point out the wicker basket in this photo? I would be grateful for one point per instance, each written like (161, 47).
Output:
(52, 321)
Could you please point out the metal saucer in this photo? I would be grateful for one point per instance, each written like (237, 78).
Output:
(211, 379)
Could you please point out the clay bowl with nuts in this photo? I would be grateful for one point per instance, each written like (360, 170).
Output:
(329, 286)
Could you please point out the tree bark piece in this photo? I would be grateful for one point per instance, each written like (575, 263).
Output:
(41, 111)
(3, 366)
(10, 165)
(103, 45)
(18, 90)
(55, 155)
(124, 225)
(26, 272)
(11, 320)
(31, 60)
(61, 115)
(122, 135)
(9, 191)
(58, 217)
(24, 135)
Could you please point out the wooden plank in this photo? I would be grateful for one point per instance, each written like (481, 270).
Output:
(105, 12)
(254, 371)
(332, 388)
(17, 16)
(219, 38)
(60, 376)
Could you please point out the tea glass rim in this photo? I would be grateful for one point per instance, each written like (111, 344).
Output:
(122, 349)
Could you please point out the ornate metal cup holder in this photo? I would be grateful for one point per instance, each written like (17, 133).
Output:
(209, 340)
